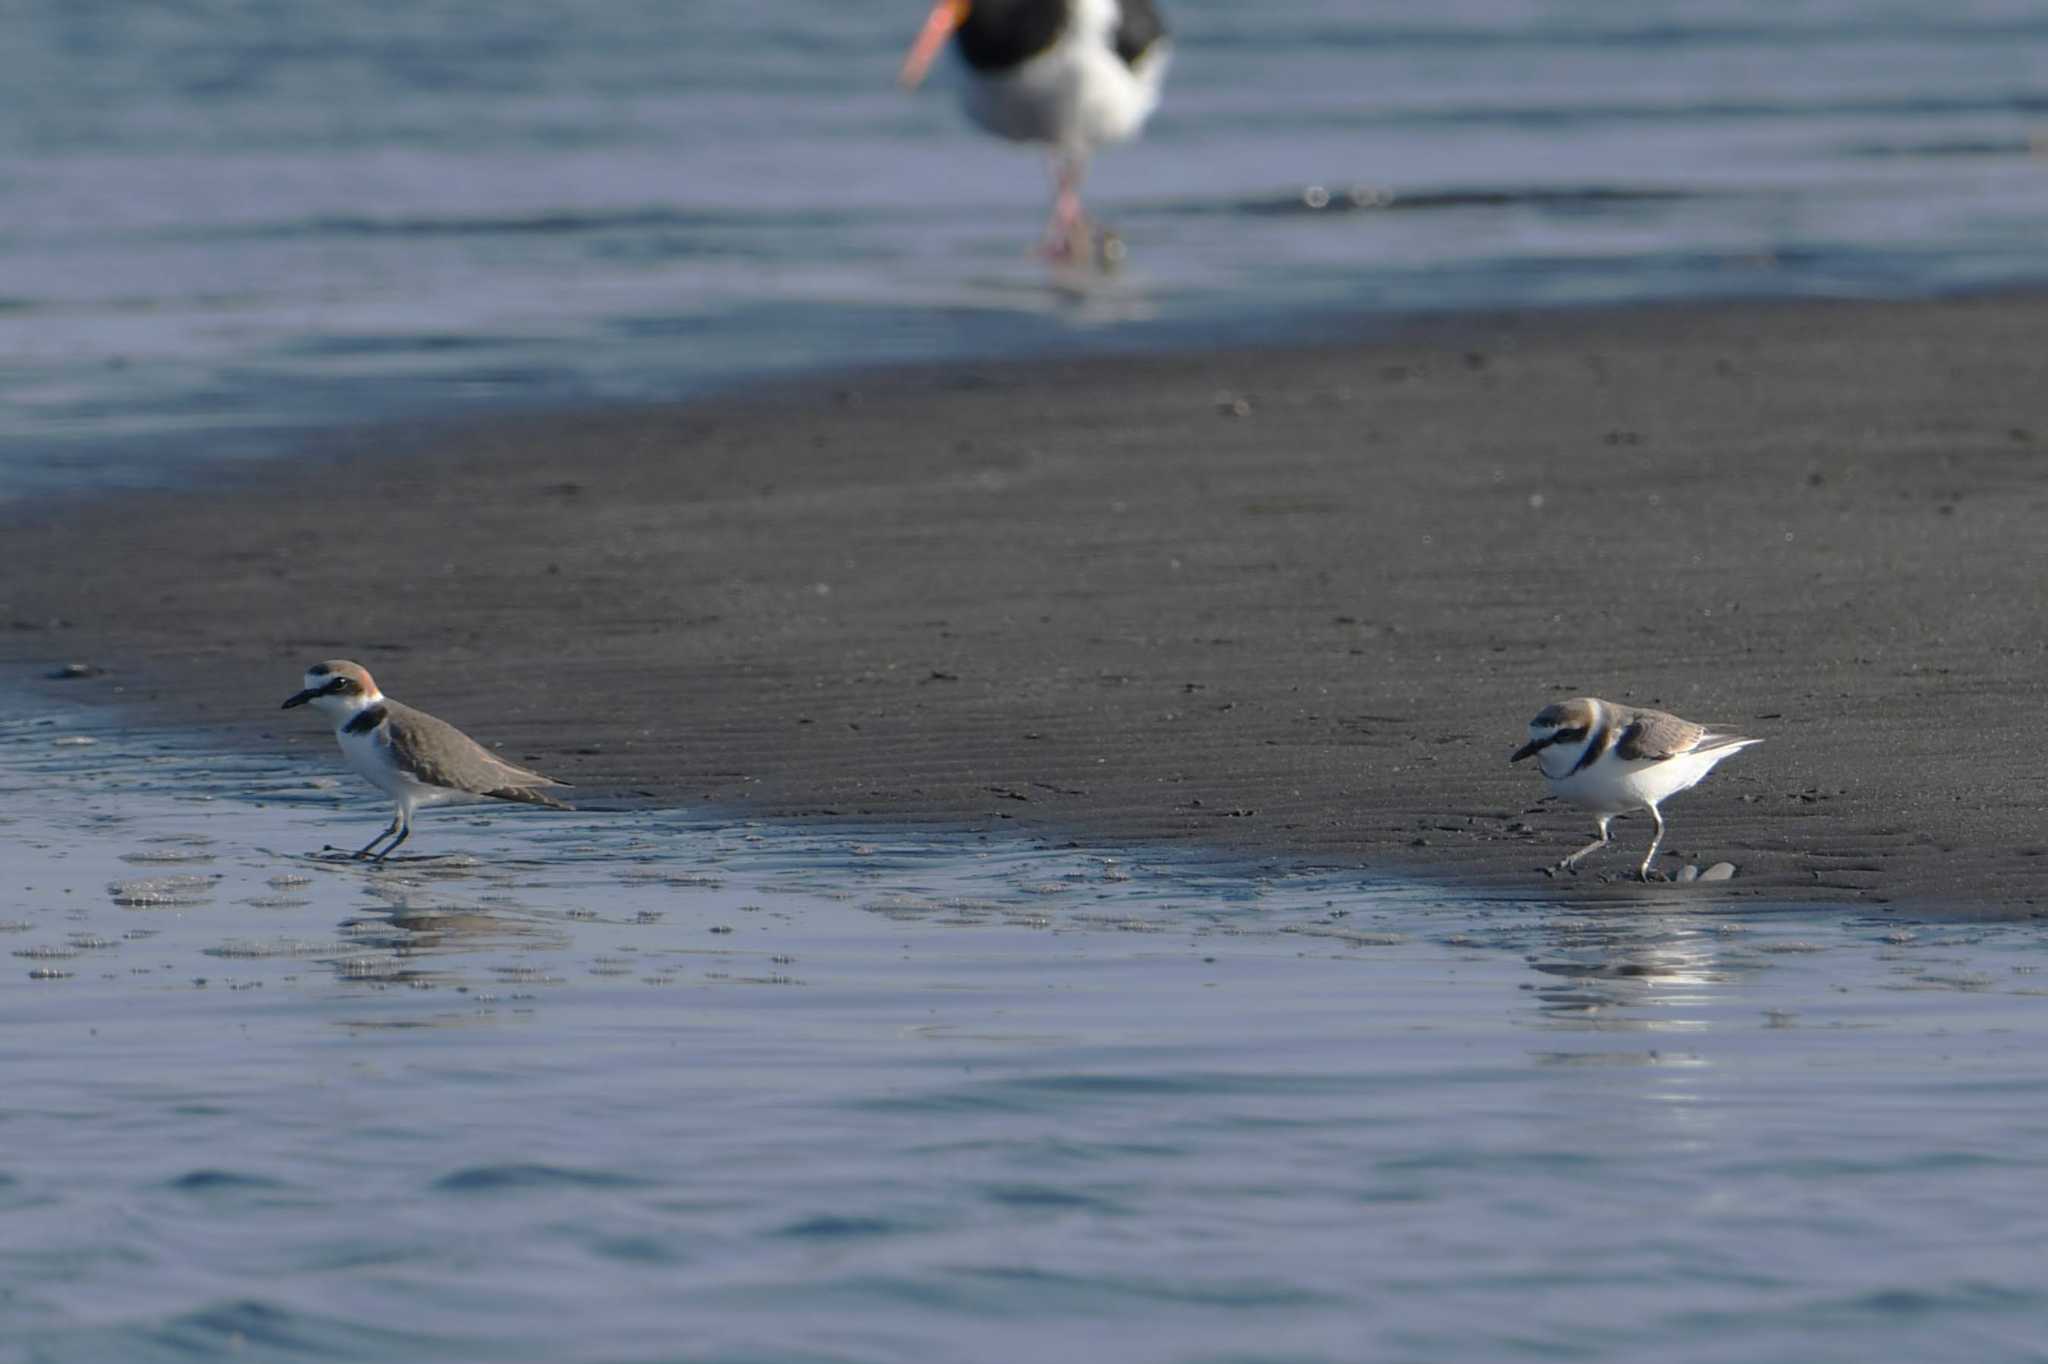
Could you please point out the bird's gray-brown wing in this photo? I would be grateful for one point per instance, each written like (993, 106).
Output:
(437, 753)
(1653, 736)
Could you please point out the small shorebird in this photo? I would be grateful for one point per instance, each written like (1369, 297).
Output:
(408, 754)
(1612, 759)
(1070, 73)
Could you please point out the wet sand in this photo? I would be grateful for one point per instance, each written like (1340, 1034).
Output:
(1272, 602)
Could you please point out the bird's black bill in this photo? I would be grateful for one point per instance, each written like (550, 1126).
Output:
(1528, 750)
(299, 698)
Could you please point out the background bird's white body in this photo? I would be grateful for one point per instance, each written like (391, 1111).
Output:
(1071, 74)
(1076, 95)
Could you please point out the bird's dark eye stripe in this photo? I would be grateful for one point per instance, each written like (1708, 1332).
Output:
(1570, 736)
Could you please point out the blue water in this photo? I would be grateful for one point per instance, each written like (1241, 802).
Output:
(644, 1086)
(228, 222)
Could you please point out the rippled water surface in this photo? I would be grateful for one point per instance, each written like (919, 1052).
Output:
(644, 1086)
(228, 220)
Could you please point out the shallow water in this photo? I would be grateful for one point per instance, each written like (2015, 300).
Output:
(226, 222)
(644, 1085)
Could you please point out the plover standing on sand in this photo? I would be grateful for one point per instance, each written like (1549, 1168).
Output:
(1612, 759)
(1073, 74)
(408, 754)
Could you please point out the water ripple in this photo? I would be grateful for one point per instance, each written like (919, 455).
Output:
(524, 1178)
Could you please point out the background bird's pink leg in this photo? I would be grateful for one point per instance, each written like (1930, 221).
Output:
(1068, 233)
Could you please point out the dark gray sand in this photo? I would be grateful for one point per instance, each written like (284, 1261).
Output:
(1284, 601)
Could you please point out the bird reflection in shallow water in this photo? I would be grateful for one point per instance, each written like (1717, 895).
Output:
(1606, 973)
(387, 943)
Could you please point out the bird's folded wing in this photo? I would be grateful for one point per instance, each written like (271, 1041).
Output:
(1652, 736)
(437, 753)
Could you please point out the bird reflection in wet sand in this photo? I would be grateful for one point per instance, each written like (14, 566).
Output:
(1072, 74)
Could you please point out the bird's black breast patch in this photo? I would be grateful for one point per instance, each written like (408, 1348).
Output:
(365, 720)
(1601, 743)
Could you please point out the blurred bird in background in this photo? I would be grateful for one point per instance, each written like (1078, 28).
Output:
(1073, 74)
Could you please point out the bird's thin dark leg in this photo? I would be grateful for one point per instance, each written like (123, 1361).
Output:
(393, 828)
(1571, 863)
(404, 833)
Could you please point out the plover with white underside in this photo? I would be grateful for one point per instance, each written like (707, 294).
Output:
(1613, 759)
(408, 754)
